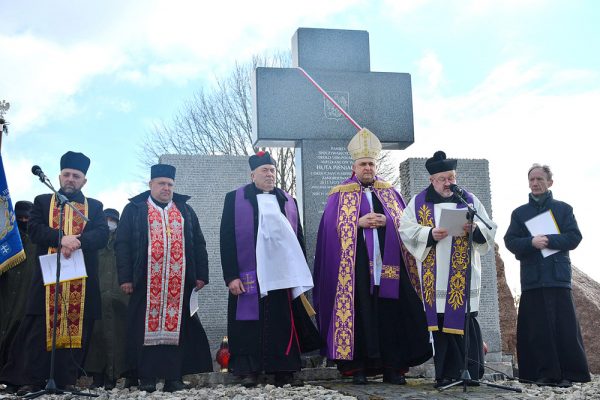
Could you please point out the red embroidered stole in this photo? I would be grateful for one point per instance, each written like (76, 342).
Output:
(72, 293)
(166, 275)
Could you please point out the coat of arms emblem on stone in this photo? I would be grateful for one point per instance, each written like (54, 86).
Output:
(342, 98)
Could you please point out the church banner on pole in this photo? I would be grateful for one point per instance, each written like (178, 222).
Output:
(11, 248)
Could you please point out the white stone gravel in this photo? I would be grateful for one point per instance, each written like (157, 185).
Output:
(220, 392)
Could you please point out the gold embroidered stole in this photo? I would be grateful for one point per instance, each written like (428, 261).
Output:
(347, 227)
(455, 297)
(71, 300)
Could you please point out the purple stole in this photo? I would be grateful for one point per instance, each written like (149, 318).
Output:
(247, 303)
(353, 204)
(454, 313)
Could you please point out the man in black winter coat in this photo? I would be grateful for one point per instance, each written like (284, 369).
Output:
(161, 258)
(549, 344)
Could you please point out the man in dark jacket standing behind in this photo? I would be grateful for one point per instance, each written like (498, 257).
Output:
(105, 360)
(549, 344)
(161, 250)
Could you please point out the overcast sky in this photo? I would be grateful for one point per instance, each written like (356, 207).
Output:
(511, 81)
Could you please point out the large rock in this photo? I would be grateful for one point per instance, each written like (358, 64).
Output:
(586, 293)
(506, 306)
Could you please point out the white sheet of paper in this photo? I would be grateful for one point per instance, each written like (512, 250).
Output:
(543, 224)
(70, 268)
(194, 306)
(453, 220)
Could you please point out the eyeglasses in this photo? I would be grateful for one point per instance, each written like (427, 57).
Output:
(444, 179)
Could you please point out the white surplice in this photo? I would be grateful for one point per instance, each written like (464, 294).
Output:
(280, 262)
(415, 236)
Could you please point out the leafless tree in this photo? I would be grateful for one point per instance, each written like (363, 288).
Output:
(217, 120)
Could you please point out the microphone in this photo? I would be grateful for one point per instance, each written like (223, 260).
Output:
(37, 171)
(457, 189)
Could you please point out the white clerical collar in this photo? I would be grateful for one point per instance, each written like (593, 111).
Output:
(169, 204)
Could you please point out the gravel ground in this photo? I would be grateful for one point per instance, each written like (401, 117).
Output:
(343, 389)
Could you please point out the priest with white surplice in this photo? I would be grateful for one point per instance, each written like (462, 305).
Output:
(265, 270)
(442, 262)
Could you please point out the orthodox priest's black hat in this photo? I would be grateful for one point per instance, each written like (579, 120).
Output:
(260, 158)
(439, 163)
(73, 160)
(162, 171)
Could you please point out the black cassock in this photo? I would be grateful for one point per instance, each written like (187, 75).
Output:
(549, 342)
(29, 361)
(389, 333)
(269, 344)
(192, 354)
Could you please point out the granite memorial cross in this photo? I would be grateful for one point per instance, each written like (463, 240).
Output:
(289, 111)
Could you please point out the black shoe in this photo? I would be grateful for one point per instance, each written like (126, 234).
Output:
(26, 389)
(283, 378)
(97, 381)
(287, 378)
(10, 388)
(393, 377)
(442, 382)
(545, 382)
(110, 384)
(130, 382)
(147, 385)
(249, 381)
(564, 383)
(173, 385)
(359, 378)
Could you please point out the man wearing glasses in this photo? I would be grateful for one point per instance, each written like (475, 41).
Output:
(442, 261)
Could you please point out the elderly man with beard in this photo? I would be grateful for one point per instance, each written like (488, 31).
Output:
(29, 361)
(442, 258)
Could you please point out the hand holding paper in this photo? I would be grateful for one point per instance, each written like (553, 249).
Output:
(453, 220)
(70, 268)
(540, 226)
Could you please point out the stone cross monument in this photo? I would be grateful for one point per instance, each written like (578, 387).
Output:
(290, 111)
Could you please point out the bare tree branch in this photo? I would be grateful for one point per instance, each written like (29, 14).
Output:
(218, 120)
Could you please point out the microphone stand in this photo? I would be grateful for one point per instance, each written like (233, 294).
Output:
(465, 376)
(51, 387)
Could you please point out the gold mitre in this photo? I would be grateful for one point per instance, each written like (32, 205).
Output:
(364, 144)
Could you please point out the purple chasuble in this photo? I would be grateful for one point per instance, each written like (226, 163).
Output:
(334, 268)
(454, 312)
(247, 303)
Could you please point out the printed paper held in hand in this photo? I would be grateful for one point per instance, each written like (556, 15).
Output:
(70, 268)
(543, 224)
(453, 220)
(194, 306)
